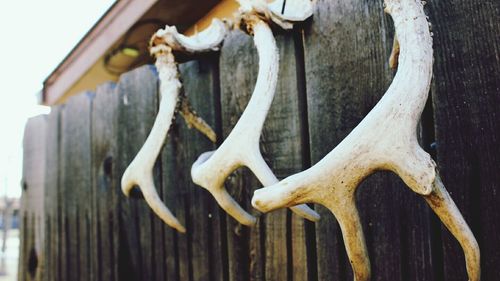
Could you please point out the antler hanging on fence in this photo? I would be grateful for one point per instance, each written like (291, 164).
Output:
(140, 171)
(384, 140)
(241, 147)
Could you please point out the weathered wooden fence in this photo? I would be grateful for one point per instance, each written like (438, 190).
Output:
(333, 71)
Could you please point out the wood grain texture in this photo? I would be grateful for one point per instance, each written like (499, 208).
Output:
(51, 202)
(238, 68)
(76, 185)
(466, 108)
(179, 193)
(304, 256)
(21, 267)
(281, 145)
(199, 79)
(32, 213)
(168, 195)
(106, 192)
(137, 93)
(347, 46)
(279, 142)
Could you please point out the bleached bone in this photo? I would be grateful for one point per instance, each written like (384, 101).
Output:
(284, 15)
(384, 140)
(140, 171)
(209, 39)
(241, 147)
(293, 11)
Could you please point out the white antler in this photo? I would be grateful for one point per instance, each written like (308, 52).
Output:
(140, 171)
(209, 39)
(385, 140)
(282, 12)
(241, 147)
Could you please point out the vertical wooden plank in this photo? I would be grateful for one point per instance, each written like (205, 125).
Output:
(64, 245)
(137, 92)
(22, 266)
(332, 53)
(304, 235)
(276, 144)
(285, 252)
(29, 266)
(77, 182)
(158, 232)
(199, 79)
(346, 50)
(282, 144)
(466, 109)
(22, 246)
(52, 204)
(105, 232)
(181, 179)
(33, 248)
(33, 258)
(238, 73)
(169, 170)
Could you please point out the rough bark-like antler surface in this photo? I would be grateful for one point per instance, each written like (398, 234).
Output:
(209, 39)
(241, 147)
(384, 140)
(283, 15)
(140, 171)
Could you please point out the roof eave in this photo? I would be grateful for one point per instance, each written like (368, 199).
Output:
(112, 25)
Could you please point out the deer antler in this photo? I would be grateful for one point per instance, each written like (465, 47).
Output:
(384, 140)
(140, 171)
(276, 11)
(163, 43)
(241, 147)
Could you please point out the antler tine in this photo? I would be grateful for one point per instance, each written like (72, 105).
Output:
(140, 171)
(385, 139)
(241, 147)
(442, 204)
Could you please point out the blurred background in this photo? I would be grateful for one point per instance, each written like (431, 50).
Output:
(36, 37)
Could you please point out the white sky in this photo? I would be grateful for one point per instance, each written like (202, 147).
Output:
(35, 36)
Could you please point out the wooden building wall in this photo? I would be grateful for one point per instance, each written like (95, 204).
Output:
(333, 70)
